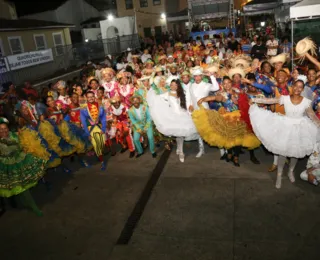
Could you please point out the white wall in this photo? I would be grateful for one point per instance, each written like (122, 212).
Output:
(91, 33)
(75, 12)
(71, 12)
(125, 26)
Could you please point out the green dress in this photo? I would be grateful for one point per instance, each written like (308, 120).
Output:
(18, 171)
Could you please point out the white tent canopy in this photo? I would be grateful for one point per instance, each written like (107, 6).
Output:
(305, 9)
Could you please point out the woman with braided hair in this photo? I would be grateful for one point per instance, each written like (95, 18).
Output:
(170, 115)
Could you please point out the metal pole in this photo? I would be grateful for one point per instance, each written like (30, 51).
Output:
(292, 44)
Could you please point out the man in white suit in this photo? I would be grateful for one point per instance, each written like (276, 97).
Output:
(197, 90)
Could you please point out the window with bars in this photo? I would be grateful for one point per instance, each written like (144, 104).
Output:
(156, 2)
(58, 43)
(40, 41)
(129, 4)
(143, 3)
(16, 45)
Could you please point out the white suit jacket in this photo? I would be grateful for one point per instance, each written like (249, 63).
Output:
(201, 90)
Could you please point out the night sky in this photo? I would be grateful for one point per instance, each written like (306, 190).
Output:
(27, 7)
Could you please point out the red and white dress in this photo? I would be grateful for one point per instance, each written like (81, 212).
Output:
(110, 88)
(125, 92)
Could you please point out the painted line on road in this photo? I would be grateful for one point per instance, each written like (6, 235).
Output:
(137, 212)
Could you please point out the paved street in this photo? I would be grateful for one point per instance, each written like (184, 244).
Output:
(202, 209)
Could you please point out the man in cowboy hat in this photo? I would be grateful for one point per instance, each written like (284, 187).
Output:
(198, 90)
(119, 114)
(142, 124)
(144, 86)
(162, 61)
(173, 74)
(185, 81)
(94, 123)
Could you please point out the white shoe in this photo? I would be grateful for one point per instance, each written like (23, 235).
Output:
(291, 177)
(200, 153)
(278, 181)
(178, 152)
(181, 157)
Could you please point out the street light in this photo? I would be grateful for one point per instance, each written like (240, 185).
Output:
(163, 16)
(110, 17)
(263, 24)
(86, 40)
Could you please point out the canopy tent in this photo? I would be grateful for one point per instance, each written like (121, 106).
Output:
(257, 7)
(305, 10)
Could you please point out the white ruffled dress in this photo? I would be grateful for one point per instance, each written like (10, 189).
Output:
(293, 134)
(168, 116)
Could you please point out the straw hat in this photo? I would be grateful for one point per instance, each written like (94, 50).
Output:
(212, 68)
(149, 61)
(114, 99)
(172, 65)
(241, 63)
(306, 45)
(235, 71)
(279, 58)
(196, 71)
(162, 57)
(157, 79)
(147, 72)
(135, 96)
(170, 57)
(143, 78)
(178, 44)
(159, 69)
(108, 71)
(185, 73)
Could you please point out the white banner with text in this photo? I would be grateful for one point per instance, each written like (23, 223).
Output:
(27, 59)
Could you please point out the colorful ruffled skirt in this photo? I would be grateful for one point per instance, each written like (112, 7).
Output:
(33, 143)
(75, 136)
(50, 132)
(224, 129)
(20, 172)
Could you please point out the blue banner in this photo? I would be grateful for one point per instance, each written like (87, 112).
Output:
(194, 35)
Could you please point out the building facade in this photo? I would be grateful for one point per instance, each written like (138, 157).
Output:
(149, 15)
(27, 43)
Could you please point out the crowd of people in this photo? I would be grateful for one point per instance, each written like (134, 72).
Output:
(206, 90)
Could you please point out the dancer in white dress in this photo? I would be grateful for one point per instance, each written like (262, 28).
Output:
(291, 135)
(169, 114)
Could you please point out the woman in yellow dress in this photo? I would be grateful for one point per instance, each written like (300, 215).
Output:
(224, 128)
